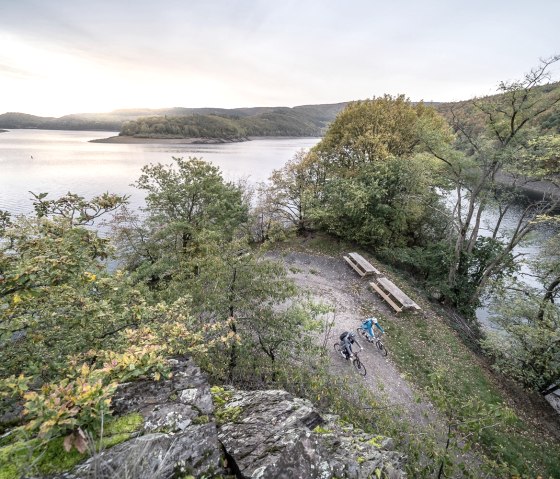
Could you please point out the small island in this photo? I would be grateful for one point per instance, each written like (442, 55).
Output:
(215, 128)
(126, 139)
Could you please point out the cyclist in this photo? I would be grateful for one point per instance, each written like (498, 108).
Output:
(367, 325)
(348, 339)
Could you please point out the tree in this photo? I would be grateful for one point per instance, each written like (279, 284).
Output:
(181, 202)
(53, 283)
(70, 329)
(495, 144)
(375, 180)
(238, 286)
(527, 348)
(291, 193)
(374, 130)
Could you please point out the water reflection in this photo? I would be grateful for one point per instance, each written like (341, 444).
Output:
(62, 161)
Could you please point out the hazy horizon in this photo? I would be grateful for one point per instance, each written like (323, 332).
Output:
(61, 57)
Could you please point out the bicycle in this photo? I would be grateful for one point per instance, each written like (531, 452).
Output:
(376, 340)
(356, 361)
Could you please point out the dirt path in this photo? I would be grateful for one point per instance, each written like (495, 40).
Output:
(330, 281)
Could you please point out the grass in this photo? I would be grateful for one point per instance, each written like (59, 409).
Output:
(422, 344)
(31, 456)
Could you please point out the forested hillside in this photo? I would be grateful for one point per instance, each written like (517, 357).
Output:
(306, 120)
(178, 122)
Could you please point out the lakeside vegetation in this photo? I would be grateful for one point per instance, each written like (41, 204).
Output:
(193, 279)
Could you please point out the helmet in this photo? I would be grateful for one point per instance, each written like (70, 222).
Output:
(374, 319)
(351, 335)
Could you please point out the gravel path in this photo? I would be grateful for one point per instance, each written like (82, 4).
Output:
(331, 281)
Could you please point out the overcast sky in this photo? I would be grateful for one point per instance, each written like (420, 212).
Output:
(70, 56)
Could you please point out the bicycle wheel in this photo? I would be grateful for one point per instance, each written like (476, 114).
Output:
(362, 333)
(381, 347)
(359, 366)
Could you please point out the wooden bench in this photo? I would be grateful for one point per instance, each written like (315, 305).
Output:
(361, 265)
(393, 295)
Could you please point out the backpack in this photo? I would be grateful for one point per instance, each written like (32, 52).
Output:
(343, 335)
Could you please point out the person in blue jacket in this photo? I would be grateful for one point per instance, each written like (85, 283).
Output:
(368, 326)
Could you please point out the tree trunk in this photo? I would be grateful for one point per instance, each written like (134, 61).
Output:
(233, 327)
(548, 297)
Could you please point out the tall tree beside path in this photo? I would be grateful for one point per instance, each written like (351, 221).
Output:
(376, 182)
(497, 143)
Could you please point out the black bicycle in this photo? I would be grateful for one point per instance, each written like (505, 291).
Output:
(356, 360)
(376, 340)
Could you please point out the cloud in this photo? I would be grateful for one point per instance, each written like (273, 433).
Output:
(250, 53)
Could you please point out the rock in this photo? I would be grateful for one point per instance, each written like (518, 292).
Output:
(278, 436)
(180, 435)
(258, 434)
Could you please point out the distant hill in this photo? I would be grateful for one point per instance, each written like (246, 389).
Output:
(306, 120)
(179, 122)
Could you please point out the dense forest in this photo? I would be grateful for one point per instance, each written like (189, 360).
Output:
(307, 120)
(194, 276)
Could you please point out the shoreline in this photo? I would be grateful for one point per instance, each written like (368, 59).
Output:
(535, 190)
(172, 141)
(124, 140)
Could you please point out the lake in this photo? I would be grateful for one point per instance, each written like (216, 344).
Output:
(56, 162)
(60, 161)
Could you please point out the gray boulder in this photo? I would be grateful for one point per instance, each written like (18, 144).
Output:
(275, 435)
(189, 431)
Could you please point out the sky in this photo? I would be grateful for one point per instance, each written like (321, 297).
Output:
(74, 56)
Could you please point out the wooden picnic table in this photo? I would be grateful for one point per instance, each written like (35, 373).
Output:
(362, 266)
(391, 293)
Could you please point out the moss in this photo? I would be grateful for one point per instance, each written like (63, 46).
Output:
(224, 414)
(50, 457)
(204, 419)
(375, 441)
(228, 414)
(220, 396)
(47, 458)
(121, 429)
(321, 430)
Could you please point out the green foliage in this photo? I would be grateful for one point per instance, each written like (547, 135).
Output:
(195, 126)
(429, 353)
(23, 456)
(290, 194)
(224, 414)
(496, 137)
(71, 330)
(527, 349)
(374, 130)
(370, 179)
(183, 201)
(53, 285)
(387, 203)
(76, 209)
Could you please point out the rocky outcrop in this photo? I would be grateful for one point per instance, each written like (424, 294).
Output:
(190, 430)
(179, 436)
(277, 435)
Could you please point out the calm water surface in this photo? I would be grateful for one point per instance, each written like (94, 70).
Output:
(60, 161)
